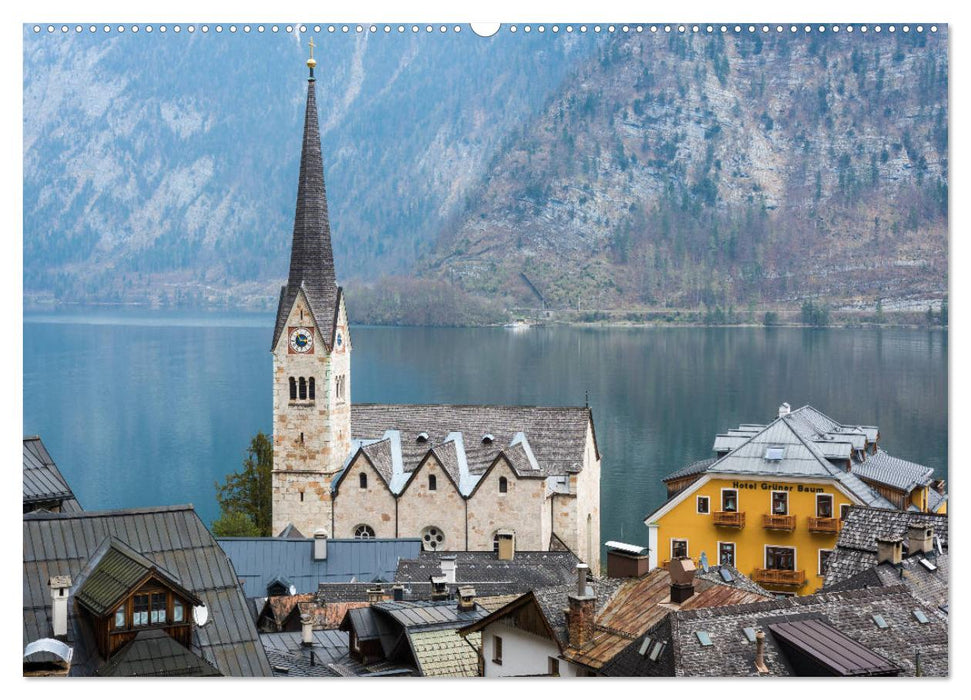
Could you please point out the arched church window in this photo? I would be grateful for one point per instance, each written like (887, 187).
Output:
(432, 538)
(313, 389)
(362, 479)
(303, 388)
(293, 389)
(503, 484)
(432, 482)
(364, 532)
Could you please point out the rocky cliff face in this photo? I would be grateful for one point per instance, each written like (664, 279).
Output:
(632, 170)
(720, 170)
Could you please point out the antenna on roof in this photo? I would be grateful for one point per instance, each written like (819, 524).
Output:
(704, 562)
(586, 398)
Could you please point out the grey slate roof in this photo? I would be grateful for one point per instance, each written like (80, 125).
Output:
(43, 481)
(61, 544)
(311, 256)
(331, 655)
(258, 560)
(856, 547)
(930, 587)
(892, 471)
(556, 436)
(553, 600)
(525, 571)
(849, 612)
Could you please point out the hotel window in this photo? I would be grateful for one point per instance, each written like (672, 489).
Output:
(824, 555)
(140, 617)
(730, 500)
(679, 549)
(726, 553)
(497, 650)
(824, 505)
(432, 482)
(120, 618)
(703, 504)
(554, 666)
(780, 503)
(844, 510)
(780, 558)
(158, 608)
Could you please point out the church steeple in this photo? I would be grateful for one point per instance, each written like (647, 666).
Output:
(311, 255)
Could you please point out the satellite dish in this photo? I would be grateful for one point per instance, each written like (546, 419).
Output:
(200, 613)
(704, 562)
(293, 589)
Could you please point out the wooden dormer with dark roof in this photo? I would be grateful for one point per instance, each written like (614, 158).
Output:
(124, 593)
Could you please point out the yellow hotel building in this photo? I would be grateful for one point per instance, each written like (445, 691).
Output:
(771, 501)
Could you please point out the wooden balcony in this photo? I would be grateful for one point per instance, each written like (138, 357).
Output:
(779, 577)
(779, 522)
(725, 518)
(824, 526)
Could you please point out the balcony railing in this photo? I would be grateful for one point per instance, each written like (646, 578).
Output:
(779, 522)
(779, 577)
(727, 518)
(825, 526)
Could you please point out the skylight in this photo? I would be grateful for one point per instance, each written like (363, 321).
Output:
(652, 648)
(775, 453)
(726, 575)
(927, 565)
(705, 639)
(881, 623)
(749, 633)
(921, 617)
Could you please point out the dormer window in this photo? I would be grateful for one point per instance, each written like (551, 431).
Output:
(178, 611)
(120, 618)
(422, 437)
(140, 617)
(158, 608)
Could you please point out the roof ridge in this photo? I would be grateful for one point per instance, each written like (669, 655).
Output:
(117, 512)
(472, 405)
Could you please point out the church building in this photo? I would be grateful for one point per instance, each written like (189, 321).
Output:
(459, 477)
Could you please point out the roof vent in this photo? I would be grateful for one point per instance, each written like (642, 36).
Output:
(60, 587)
(775, 453)
(421, 437)
(466, 598)
(488, 439)
(784, 410)
(320, 544)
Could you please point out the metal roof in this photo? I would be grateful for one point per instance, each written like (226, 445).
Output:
(153, 653)
(42, 480)
(893, 471)
(419, 614)
(62, 544)
(259, 560)
(828, 647)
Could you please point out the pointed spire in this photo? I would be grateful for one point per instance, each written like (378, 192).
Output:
(311, 255)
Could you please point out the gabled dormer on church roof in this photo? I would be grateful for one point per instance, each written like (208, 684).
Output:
(311, 255)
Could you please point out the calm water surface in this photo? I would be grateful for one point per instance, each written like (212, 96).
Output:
(146, 408)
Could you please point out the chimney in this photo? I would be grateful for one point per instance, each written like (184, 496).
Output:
(320, 544)
(760, 652)
(580, 614)
(375, 595)
(398, 592)
(507, 545)
(306, 630)
(890, 549)
(682, 572)
(60, 587)
(448, 568)
(920, 538)
(784, 410)
(466, 598)
(627, 560)
(439, 587)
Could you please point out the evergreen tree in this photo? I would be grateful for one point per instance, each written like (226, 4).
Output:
(245, 499)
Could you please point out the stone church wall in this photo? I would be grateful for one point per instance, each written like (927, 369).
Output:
(520, 509)
(443, 508)
(353, 506)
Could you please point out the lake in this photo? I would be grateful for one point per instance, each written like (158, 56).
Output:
(152, 408)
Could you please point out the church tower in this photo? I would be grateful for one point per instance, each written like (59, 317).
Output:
(311, 355)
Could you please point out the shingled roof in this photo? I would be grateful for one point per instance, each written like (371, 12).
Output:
(525, 571)
(849, 613)
(63, 544)
(311, 255)
(44, 486)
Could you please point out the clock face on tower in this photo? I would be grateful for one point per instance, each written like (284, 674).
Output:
(301, 340)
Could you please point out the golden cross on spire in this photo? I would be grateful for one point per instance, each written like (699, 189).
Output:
(310, 61)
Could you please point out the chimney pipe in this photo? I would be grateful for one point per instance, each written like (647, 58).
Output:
(320, 544)
(448, 568)
(682, 573)
(581, 610)
(760, 652)
(784, 410)
(60, 588)
(582, 570)
(306, 630)
(889, 550)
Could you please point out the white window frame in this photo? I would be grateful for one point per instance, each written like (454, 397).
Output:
(687, 546)
(738, 501)
(832, 500)
(819, 561)
(772, 504)
(718, 551)
(765, 555)
(847, 506)
(698, 505)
